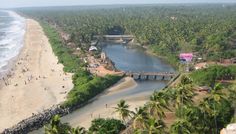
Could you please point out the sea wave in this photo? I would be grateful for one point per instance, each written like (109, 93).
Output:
(12, 40)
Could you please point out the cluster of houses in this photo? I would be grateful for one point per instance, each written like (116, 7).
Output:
(197, 61)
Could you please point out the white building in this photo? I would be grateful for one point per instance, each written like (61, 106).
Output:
(230, 129)
(93, 48)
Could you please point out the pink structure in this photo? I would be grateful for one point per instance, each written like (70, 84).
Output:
(186, 56)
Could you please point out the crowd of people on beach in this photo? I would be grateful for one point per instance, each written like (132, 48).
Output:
(25, 70)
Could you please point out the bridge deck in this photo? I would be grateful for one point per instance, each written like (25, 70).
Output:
(114, 36)
(151, 73)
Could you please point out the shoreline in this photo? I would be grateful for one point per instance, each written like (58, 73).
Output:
(37, 81)
(11, 65)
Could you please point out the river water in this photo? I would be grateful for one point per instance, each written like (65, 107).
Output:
(126, 58)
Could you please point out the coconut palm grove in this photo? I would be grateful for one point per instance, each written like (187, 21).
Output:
(199, 99)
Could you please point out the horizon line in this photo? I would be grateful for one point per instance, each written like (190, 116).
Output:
(118, 4)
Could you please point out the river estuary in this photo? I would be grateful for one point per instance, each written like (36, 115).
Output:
(126, 58)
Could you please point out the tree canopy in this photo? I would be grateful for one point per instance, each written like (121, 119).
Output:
(167, 30)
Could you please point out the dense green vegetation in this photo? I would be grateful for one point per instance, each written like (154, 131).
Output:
(205, 116)
(167, 30)
(209, 75)
(98, 126)
(106, 126)
(86, 85)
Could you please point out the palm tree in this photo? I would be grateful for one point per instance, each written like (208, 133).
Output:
(181, 126)
(182, 95)
(78, 130)
(56, 127)
(140, 115)
(208, 110)
(216, 93)
(123, 110)
(197, 117)
(185, 80)
(158, 102)
(216, 96)
(206, 113)
(53, 126)
(154, 126)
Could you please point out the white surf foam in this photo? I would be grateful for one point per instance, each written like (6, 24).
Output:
(12, 40)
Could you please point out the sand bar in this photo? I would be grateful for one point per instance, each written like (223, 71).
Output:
(124, 84)
(38, 81)
(105, 109)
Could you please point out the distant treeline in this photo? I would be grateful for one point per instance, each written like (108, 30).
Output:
(167, 30)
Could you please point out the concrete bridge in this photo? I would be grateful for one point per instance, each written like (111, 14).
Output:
(151, 75)
(115, 38)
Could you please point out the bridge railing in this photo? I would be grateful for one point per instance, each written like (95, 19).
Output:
(151, 75)
(114, 36)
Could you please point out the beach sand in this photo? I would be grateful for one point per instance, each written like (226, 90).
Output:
(37, 83)
(107, 112)
(123, 84)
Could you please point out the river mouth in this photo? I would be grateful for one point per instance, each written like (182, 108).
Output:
(126, 58)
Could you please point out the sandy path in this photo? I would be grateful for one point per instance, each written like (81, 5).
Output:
(42, 85)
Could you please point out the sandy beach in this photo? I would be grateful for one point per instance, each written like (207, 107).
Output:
(107, 111)
(37, 81)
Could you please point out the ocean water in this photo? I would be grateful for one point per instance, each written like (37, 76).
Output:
(12, 31)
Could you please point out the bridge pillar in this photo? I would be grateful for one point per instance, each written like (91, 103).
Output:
(139, 76)
(163, 77)
(150, 77)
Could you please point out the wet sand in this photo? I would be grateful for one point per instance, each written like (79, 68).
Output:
(106, 112)
(123, 84)
(37, 81)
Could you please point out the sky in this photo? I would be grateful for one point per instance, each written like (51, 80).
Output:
(33, 3)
